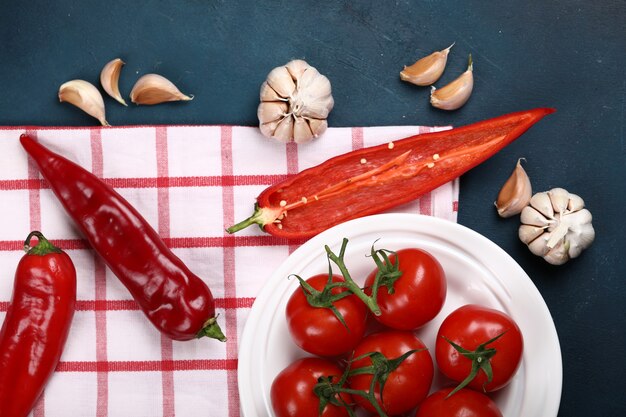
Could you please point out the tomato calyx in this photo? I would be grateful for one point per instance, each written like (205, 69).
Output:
(380, 369)
(325, 298)
(387, 272)
(481, 360)
(329, 393)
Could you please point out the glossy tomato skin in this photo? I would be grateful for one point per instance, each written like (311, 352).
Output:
(292, 390)
(463, 403)
(317, 330)
(418, 294)
(406, 386)
(469, 326)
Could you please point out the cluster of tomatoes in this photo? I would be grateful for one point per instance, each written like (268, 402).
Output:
(389, 371)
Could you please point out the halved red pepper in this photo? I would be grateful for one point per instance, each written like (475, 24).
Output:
(374, 179)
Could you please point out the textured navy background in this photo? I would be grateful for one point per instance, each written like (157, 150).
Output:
(566, 54)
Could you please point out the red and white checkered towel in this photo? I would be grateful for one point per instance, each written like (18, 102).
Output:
(190, 183)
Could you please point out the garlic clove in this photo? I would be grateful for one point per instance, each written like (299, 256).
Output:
(515, 193)
(426, 70)
(317, 108)
(541, 202)
(109, 79)
(301, 131)
(454, 95)
(559, 199)
(86, 97)
(284, 130)
(579, 217)
(318, 126)
(268, 129)
(296, 68)
(559, 254)
(315, 88)
(154, 89)
(280, 80)
(267, 93)
(269, 111)
(528, 233)
(575, 203)
(314, 85)
(539, 246)
(533, 217)
(582, 237)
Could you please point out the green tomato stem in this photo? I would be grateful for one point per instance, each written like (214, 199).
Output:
(352, 286)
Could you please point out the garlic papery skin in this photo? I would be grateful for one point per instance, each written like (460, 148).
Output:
(295, 102)
(426, 70)
(109, 79)
(454, 95)
(556, 226)
(155, 89)
(515, 193)
(86, 97)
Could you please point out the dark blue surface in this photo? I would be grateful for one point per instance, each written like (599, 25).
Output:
(564, 54)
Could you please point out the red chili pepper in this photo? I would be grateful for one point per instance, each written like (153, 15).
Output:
(36, 325)
(370, 180)
(175, 300)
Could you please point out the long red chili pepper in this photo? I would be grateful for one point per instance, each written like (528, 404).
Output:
(36, 325)
(175, 300)
(374, 179)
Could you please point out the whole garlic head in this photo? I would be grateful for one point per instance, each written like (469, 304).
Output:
(295, 102)
(556, 226)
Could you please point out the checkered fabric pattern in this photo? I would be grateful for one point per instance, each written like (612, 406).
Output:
(189, 182)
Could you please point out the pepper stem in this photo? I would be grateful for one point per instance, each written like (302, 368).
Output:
(43, 246)
(212, 329)
(254, 219)
(261, 216)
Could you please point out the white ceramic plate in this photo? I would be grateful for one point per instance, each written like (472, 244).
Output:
(477, 270)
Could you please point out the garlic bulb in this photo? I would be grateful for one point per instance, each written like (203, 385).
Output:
(295, 102)
(426, 70)
(556, 226)
(515, 193)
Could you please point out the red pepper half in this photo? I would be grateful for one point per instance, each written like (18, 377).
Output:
(36, 325)
(370, 180)
(175, 300)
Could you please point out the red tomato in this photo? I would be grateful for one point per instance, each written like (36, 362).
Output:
(463, 403)
(469, 327)
(292, 390)
(318, 330)
(407, 385)
(418, 294)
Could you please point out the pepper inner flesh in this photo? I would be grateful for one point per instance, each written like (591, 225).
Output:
(401, 166)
